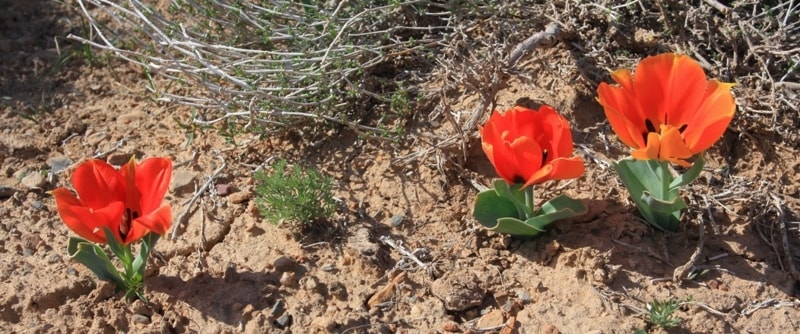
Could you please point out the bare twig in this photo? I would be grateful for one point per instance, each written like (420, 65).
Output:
(184, 216)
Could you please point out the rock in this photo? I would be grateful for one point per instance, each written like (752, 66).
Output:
(283, 321)
(224, 189)
(277, 309)
(34, 180)
(118, 158)
(458, 290)
(548, 329)
(239, 197)
(183, 182)
(284, 263)
(140, 319)
(491, 320)
(288, 279)
(451, 327)
(524, 297)
(58, 163)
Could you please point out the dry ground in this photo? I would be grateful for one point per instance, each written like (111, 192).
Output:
(227, 270)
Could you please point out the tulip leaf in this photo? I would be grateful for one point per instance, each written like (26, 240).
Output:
(498, 214)
(94, 258)
(140, 262)
(515, 227)
(649, 183)
(516, 195)
(690, 175)
(490, 206)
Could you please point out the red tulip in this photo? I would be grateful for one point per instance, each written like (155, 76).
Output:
(530, 147)
(667, 110)
(128, 201)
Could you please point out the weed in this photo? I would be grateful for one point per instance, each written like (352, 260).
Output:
(298, 195)
(661, 313)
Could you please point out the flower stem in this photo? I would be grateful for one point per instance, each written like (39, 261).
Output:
(529, 201)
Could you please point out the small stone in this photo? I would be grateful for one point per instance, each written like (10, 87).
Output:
(458, 290)
(310, 283)
(523, 297)
(34, 180)
(59, 163)
(491, 320)
(713, 284)
(183, 182)
(224, 189)
(239, 197)
(548, 329)
(140, 319)
(277, 309)
(287, 279)
(119, 159)
(284, 263)
(397, 220)
(283, 321)
(451, 327)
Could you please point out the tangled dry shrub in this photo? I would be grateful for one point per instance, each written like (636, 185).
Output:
(263, 65)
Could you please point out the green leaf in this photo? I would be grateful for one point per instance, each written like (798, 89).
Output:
(690, 175)
(490, 206)
(94, 258)
(140, 262)
(122, 252)
(501, 218)
(515, 195)
(648, 182)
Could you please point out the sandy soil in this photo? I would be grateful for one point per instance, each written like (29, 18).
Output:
(228, 270)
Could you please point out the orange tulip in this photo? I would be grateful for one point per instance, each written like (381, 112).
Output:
(667, 110)
(128, 201)
(530, 147)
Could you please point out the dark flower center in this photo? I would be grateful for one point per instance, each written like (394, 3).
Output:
(125, 224)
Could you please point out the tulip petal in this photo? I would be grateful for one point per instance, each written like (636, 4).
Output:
(85, 221)
(623, 113)
(152, 180)
(672, 146)
(157, 221)
(649, 152)
(97, 183)
(712, 118)
(671, 86)
(558, 169)
(527, 156)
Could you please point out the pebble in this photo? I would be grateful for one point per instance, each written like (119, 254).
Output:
(119, 159)
(548, 329)
(239, 197)
(224, 189)
(451, 327)
(491, 320)
(310, 283)
(458, 290)
(34, 180)
(59, 163)
(523, 297)
(283, 321)
(284, 263)
(397, 220)
(140, 319)
(287, 279)
(277, 309)
(183, 182)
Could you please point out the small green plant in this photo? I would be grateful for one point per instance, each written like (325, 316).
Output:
(660, 313)
(298, 195)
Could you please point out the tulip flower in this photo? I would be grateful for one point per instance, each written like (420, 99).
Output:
(530, 147)
(667, 110)
(127, 201)
(526, 147)
(116, 207)
(668, 113)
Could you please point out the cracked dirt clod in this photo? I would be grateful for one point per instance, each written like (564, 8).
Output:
(458, 290)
